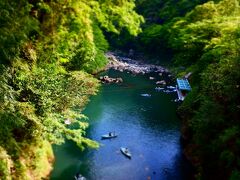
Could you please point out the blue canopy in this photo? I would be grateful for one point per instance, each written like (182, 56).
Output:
(183, 84)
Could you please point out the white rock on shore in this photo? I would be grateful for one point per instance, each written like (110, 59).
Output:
(106, 79)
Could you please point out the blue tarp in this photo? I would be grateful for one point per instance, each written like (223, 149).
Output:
(183, 84)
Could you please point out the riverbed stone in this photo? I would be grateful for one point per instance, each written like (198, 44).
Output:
(107, 79)
(131, 65)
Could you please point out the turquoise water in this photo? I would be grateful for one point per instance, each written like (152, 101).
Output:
(148, 126)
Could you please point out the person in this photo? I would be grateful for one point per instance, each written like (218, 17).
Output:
(126, 150)
(110, 134)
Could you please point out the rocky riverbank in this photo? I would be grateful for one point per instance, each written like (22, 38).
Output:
(120, 63)
(134, 66)
(107, 79)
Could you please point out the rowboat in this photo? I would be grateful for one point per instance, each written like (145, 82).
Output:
(126, 152)
(146, 95)
(159, 88)
(109, 136)
(171, 87)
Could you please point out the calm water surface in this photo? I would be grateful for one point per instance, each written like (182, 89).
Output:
(148, 126)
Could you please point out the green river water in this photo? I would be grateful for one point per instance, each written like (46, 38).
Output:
(148, 126)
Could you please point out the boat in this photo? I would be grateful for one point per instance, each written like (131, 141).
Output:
(109, 135)
(79, 177)
(159, 88)
(167, 91)
(171, 87)
(146, 95)
(170, 91)
(126, 152)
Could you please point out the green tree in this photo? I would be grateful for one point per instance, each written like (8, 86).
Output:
(46, 50)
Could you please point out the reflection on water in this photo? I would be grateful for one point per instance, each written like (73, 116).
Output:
(148, 126)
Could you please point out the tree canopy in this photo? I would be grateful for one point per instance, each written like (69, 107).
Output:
(201, 37)
(47, 49)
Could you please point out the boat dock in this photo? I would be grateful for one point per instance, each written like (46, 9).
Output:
(183, 87)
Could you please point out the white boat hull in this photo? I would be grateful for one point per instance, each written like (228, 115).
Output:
(106, 136)
(126, 152)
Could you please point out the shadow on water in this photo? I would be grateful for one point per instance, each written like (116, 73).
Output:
(148, 126)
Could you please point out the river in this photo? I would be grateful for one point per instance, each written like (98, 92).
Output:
(148, 126)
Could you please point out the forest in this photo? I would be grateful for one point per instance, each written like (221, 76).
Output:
(201, 37)
(50, 50)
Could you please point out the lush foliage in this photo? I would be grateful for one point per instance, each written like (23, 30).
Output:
(203, 37)
(206, 41)
(158, 15)
(46, 50)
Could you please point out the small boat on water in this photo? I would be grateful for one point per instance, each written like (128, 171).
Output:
(146, 95)
(169, 91)
(171, 87)
(79, 177)
(109, 135)
(159, 88)
(126, 152)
